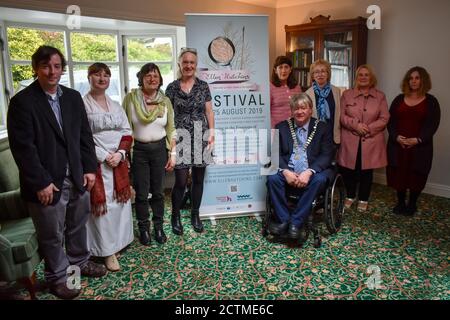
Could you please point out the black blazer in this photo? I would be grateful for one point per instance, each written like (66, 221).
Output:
(39, 147)
(423, 152)
(320, 151)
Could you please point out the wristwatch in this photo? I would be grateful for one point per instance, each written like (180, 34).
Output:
(123, 153)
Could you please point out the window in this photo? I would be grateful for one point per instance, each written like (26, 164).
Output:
(88, 48)
(22, 43)
(123, 45)
(143, 49)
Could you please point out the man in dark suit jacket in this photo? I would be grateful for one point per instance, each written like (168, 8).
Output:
(306, 152)
(52, 144)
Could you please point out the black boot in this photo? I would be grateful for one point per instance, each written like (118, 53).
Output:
(400, 208)
(144, 233)
(144, 237)
(196, 222)
(411, 208)
(177, 227)
(160, 236)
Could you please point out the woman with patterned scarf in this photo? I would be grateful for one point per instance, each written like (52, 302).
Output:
(326, 97)
(151, 117)
(110, 227)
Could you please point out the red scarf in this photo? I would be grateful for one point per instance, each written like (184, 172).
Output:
(122, 190)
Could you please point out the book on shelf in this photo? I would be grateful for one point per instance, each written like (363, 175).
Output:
(339, 57)
(301, 59)
(303, 78)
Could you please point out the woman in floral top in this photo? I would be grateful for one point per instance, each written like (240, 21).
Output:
(194, 121)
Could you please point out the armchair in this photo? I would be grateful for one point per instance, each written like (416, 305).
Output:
(18, 240)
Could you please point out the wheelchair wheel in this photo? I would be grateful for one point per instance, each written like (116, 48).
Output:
(334, 205)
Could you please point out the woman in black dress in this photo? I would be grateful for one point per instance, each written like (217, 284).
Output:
(415, 117)
(194, 121)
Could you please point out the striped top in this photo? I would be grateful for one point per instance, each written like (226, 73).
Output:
(279, 103)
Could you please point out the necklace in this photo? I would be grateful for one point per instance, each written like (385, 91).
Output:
(295, 140)
(186, 86)
(148, 100)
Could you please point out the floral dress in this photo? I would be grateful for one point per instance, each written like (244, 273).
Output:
(191, 123)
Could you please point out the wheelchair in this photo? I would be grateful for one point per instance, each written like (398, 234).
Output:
(328, 207)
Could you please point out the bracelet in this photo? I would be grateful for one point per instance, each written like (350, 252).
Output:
(173, 153)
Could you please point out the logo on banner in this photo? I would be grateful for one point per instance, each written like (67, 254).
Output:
(229, 61)
(224, 199)
(244, 197)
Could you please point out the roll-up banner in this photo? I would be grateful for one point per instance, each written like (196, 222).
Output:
(233, 58)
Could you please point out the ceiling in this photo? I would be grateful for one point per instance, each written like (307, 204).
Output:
(279, 3)
(46, 18)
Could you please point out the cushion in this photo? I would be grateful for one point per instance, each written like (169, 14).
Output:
(9, 174)
(22, 235)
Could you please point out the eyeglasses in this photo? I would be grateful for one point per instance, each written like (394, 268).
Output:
(320, 72)
(186, 49)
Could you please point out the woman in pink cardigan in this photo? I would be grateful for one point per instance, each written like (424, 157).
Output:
(283, 85)
(364, 116)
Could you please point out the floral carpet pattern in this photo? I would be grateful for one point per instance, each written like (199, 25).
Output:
(231, 260)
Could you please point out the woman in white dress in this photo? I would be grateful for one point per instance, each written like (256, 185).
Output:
(109, 227)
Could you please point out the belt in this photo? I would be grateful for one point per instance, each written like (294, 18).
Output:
(151, 142)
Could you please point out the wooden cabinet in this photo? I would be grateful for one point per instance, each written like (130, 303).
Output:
(343, 43)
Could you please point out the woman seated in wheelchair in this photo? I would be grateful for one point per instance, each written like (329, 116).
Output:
(306, 153)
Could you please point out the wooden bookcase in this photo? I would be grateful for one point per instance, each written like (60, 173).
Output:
(343, 43)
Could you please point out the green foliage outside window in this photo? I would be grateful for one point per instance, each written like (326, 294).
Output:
(139, 51)
(85, 47)
(93, 47)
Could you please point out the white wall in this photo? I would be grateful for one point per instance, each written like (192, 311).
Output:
(413, 32)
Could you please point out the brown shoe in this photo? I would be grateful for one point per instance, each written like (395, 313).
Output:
(362, 206)
(111, 263)
(61, 291)
(91, 269)
(348, 202)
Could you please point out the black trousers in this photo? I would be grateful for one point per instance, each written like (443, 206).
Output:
(149, 160)
(353, 176)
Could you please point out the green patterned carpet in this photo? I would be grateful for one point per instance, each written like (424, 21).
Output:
(231, 260)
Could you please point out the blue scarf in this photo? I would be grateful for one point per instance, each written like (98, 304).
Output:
(323, 109)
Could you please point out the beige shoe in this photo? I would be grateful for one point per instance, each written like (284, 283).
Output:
(348, 202)
(111, 263)
(362, 206)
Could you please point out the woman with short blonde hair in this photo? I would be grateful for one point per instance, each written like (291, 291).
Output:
(326, 97)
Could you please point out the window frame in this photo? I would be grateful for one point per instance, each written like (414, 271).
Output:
(141, 33)
(5, 96)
